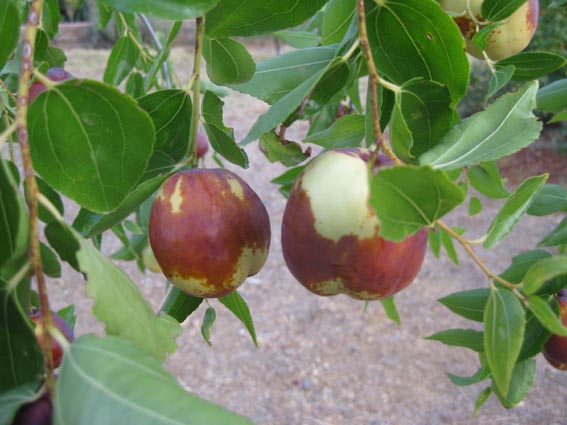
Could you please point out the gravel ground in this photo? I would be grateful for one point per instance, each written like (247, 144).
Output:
(325, 360)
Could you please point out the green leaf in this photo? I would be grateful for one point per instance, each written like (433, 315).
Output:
(500, 78)
(546, 315)
(161, 56)
(515, 206)
(463, 381)
(424, 107)
(553, 97)
(180, 305)
(391, 310)
(447, 242)
(20, 354)
(68, 314)
(237, 305)
(557, 236)
(331, 84)
(298, 39)
(407, 198)
(175, 10)
(552, 198)
(106, 380)
(347, 131)
(14, 228)
(10, 24)
(435, 242)
(112, 140)
(535, 336)
(170, 111)
(497, 10)
(118, 301)
(469, 304)
(228, 61)
(504, 322)
(50, 262)
(51, 17)
(485, 178)
(278, 76)
(250, 17)
(532, 65)
(501, 129)
(467, 338)
(481, 399)
(480, 39)
(287, 178)
(415, 38)
(521, 263)
(121, 61)
(45, 215)
(12, 400)
(522, 379)
(135, 85)
(207, 325)
(221, 137)
(475, 206)
(542, 271)
(336, 20)
(284, 151)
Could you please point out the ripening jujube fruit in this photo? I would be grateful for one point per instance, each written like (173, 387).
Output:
(209, 231)
(55, 75)
(330, 232)
(38, 412)
(202, 145)
(512, 36)
(555, 349)
(61, 325)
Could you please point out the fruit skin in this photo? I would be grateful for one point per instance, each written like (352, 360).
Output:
(149, 260)
(64, 328)
(330, 233)
(555, 349)
(38, 412)
(506, 40)
(209, 231)
(54, 74)
(202, 145)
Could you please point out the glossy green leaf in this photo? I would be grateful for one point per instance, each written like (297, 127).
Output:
(278, 76)
(557, 236)
(467, 338)
(542, 271)
(407, 198)
(250, 17)
(20, 354)
(475, 206)
(447, 242)
(391, 310)
(175, 10)
(504, 322)
(106, 380)
(480, 39)
(415, 38)
(237, 305)
(121, 61)
(546, 315)
(485, 178)
(112, 140)
(68, 314)
(434, 239)
(162, 56)
(220, 136)
(513, 209)
(329, 88)
(336, 20)
(51, 17)
(50, 262)
(298, 39)
(118, 302)
(463, 381)
(535, 336)
(44, 214)
(135, 85)
(207, 325)
(523, 376)
(228, 61)
(12, 400)
(497, 10)
(14, 227)
(500, 78)
(425, 109)
(521, 263)
(469, 304)
(347, 131)
(10, 24)
(284, 151)
(553, 97)
(532, 65)
(180, 305)
(170, 111)
(481, 399)
(286, 179)
(552, 198)
(501, 129)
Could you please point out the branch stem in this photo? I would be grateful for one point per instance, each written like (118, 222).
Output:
(155, 38)
(196, 78)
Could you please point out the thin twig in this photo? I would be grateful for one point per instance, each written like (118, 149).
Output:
(192, 149)
(150, 28)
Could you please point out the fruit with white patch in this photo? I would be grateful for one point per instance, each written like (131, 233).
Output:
(555, 349)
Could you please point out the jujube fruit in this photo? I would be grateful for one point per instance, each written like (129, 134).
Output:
(330, 233)
(209, 231)
(38, 412)
(202, 145)
(61, 325)
(511, 37)
(555, 349)
(54, 74)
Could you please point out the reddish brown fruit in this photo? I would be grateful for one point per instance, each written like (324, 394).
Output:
(202, 145)
(54, 74)
(38, 412)
(209, 231)
(56, 349)
(555, 349)
(330, 233)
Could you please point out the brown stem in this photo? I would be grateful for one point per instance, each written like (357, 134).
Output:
(374, 80)
(31, 184)
(196, 78)
(467, 246)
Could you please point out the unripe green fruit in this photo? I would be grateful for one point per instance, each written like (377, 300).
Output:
(509, 38)
(555, 349)
(209, 231)
(330, 233)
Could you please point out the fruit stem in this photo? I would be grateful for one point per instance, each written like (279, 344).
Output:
(374, 80)
(196, 78)
(467, 246)
(31, 184)
(151, 30)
